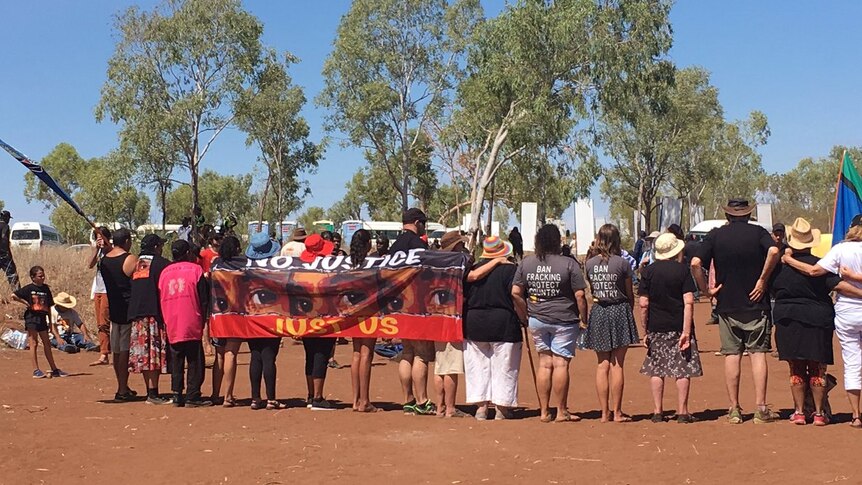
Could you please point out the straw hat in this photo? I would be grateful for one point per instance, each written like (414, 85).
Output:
(65, 300)
(667, 246)
(802, 235)
(494, 247)
(653, 236)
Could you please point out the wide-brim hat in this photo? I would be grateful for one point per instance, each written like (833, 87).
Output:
(802, 235)
(738, 207)
(667, 246)
(493, 247)
(451, 239)
(65, 300)
(261, 246)
(299, 235)
(653, 236)
(316, 246)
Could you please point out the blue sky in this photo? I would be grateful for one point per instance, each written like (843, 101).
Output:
(796, 61)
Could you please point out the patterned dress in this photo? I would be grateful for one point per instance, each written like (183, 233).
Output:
(148, 348)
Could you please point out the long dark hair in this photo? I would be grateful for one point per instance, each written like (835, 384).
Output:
(608, 241)
(548, 241)
(360, 244)
(230, 247)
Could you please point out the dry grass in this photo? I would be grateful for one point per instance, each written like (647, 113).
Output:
(64, 270)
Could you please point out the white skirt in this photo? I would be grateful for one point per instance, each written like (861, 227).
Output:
(491, 372)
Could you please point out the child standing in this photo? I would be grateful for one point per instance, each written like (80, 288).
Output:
(183, 294)
(38, 299)
(667, 314)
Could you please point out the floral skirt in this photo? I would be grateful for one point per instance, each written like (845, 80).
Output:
(611, 327)
(148, 348)
(664, 359)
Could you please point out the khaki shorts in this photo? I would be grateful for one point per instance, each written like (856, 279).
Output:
(448, 358)
(121, 337)
(423, 349)
(745, 333)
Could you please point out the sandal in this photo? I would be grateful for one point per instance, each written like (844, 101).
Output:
(567, 417)
(99, 362)
(369, 408)
(657, 418)
(272, 405)
(623, 418)
(229, 402)
(685, 419)
(457, 414)
(856, 423)
(255, 405)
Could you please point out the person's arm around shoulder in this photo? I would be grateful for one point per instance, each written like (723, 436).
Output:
(130, 263)
(480, 272)
(687, 321)
(850, 275)
(844, 288)
(806, 269)
(203, 289)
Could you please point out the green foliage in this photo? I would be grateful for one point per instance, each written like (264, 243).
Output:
(310, 215)
(175, 73)
(269, 113)
(103, 187)
(220, 196)
(392, 66)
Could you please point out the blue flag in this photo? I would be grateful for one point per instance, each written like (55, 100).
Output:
(848, 202)
(40, 172)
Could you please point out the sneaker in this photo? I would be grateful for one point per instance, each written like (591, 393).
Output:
(38, 374)
(333, 364)
(765, 416)
(159, 401)
(426, 408)
(58, 373)
(820, 420)
(798, 418)
(735, 416)
(178, 401)
(410, 407)
(198, 403)
(308, 402)
(322, 405)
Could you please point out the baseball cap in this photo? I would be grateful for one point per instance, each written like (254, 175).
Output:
(778, 227)
(180, 249)
(150, 241)
(412, 215)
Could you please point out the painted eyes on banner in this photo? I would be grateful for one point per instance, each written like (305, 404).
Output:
(394, 304)
(352, 298)
(220, 305)
(442, 297)
(263, 297)
(301, 305)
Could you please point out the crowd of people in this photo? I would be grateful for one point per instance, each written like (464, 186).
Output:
(152, 316)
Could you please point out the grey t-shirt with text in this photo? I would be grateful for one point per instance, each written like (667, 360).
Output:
(608, 278)
(550, 287)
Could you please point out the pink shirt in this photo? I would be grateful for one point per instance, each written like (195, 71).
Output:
(181, 307)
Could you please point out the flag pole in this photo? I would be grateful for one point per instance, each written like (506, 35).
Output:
(837, 189)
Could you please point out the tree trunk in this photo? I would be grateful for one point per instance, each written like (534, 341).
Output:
(263, 204)
(491, 210)
(163, 196)
(640, 215)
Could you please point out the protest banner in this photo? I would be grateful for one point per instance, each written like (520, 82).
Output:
(414, 295)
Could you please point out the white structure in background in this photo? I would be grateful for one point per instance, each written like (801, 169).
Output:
(671, 212)
(495, 228)
(599, 222)
(465, 222)
(635, 226)
(696, 214)
(529, 216)
(764, 216)
(584, 224)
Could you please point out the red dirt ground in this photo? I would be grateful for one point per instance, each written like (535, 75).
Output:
(62, 431)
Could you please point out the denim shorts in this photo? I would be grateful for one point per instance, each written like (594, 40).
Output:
(558, 339)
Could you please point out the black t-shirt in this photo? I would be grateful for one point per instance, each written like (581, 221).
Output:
(40, 299)
(665, 283)
(406, 241)
(118, 286)
(144, 300)
(489, 313)
(690, 251)
(803, 298)
(738, 250)
(5, 251)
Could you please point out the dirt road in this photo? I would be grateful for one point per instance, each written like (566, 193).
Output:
(65, 431)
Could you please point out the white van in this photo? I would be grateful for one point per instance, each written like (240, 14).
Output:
(701, 229)
(32, 235)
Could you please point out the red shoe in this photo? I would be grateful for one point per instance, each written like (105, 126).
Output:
(798, 418)
(820, 420)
